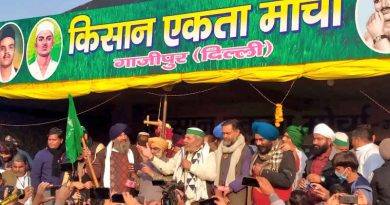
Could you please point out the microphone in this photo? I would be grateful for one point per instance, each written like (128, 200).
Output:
(14, 196)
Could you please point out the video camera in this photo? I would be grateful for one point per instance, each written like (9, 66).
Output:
(8, 189)
(169, 193)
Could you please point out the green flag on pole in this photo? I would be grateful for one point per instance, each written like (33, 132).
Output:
(74, 132)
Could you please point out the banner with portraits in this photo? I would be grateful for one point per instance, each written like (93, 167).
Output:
(160, 42)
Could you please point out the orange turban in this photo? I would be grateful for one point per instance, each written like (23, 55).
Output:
(158, 142)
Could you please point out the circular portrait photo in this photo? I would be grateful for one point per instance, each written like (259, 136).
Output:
(11, 51)
(372, 20)
(44, 49)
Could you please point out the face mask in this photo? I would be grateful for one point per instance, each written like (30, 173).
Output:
(341, 177)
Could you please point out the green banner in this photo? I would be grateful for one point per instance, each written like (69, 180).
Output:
(177, 36)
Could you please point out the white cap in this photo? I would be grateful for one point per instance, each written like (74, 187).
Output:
(324, 130)
(45, 26)
(341, 139)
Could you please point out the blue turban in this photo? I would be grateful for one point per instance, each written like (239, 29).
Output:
(117, 129)
(266, 130)
(217, 131)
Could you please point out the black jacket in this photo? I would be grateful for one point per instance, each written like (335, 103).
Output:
(285, 176)
(380, 185)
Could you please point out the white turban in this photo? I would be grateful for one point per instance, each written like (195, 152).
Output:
(45, 26)
(324, 130)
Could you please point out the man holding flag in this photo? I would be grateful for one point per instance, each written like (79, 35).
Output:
(75, 133)
(46, 166)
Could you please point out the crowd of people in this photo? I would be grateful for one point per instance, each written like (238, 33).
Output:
(224, 167)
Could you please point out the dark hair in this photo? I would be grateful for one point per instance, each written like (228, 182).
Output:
(55, 131)
(8, 148)
(346, 159)
(364, 132)
(8, 31)
(338, 188)
(233, 122)
(299, 197)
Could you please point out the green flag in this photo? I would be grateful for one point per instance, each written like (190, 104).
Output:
(74, 132)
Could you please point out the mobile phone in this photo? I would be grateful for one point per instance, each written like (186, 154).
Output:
(133, 192)
(66, 167)
(117, 198)
(158, 182)
(100, 193)
(210, 201)
(348, 199)
(250, 181)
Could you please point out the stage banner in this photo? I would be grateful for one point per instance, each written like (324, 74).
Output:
(176, 36)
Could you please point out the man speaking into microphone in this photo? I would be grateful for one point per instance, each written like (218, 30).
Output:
(193, 165)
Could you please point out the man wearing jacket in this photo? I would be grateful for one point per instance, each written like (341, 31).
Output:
(272, 163)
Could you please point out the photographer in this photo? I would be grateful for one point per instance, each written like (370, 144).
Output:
(193, 165)
(19, 177)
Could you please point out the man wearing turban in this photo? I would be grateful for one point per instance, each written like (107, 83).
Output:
(114, 164)
(271, 162)
(293, 138)
(193, 165)
(319, 168)
(148, 172)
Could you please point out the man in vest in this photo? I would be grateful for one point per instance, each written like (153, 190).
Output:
(114, 164)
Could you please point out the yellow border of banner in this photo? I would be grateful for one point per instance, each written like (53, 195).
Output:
(316, 71)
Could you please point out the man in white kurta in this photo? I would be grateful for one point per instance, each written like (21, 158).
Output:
(43, 66)
(193, 165)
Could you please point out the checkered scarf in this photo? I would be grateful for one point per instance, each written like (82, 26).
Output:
(273, 158)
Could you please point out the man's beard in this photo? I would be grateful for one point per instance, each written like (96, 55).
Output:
(318, 150)
(122, 147)
(189, 149)
(230, 142)
(264, 149)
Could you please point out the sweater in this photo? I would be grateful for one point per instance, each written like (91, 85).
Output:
(42, 169)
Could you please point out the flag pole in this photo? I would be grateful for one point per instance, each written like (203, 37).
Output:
(164, 120)
(89, 164)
